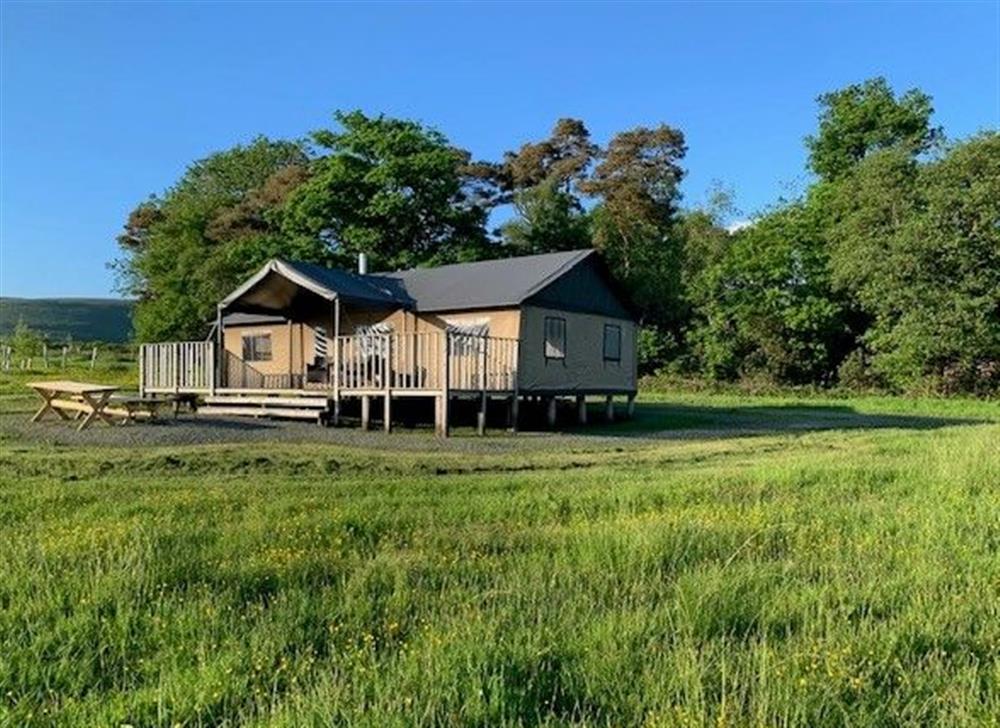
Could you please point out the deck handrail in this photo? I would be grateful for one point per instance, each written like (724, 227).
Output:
(177, 366)
(430, 361)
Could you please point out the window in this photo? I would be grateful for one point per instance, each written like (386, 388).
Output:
(555, 338)
(612, 342)
(257, 347)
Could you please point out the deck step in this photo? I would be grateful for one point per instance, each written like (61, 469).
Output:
(238, 400)
(302, 413)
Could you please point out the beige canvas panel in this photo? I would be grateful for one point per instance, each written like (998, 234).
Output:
(504, 323)
(292, 347)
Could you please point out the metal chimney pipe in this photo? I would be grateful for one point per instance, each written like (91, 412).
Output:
(363, 263)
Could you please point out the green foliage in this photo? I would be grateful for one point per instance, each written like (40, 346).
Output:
(919, 246)
(391, 188)
(789, 578)
(653, 348)
(548, 220)
(636, 184)
(863, 118)
(767, 308)
(25, 341)
(185, 251)
(69, 319)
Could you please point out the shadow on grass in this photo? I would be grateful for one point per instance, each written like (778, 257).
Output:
(665, 418)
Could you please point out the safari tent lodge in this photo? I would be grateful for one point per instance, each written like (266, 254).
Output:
(300, 340)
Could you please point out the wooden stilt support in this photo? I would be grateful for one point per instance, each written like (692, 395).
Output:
(444, 399)
(366, 407)
(513, 413)
(550, 411)
(609, 408)
(387, 412)
(441, 415)
(335, 414)
(631, 405)
(483, 379)
(481, 414)
(581, 409)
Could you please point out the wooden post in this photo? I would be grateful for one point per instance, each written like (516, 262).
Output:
(336, 361)
(609, 408)
(387, 375)
(211, 369)
(366, 406)
(481, 415)
(45, 356)
(64, 357)
(93, 358)
(631, 405)
(220, 350)
(142, 369)
(514, 412)
(581, 409)
(444, 396)
(550, 411)
(291, 368)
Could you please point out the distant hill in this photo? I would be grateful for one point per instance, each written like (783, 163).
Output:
(82, 319)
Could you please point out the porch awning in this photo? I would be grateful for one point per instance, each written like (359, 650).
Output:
(277, 286)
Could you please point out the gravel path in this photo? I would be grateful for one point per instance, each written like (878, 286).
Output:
(193, 430)
(653, 423)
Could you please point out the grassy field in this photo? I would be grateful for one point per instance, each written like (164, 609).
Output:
(842, 571)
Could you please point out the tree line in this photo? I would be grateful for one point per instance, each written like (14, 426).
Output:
(884, 272)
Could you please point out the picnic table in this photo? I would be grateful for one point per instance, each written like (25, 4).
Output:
(62, 397)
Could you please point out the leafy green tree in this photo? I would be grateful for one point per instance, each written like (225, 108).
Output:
(918, 245)
(187, 249)
(390, 188)
(864, 118)
(25, 342)
(767, 307)
(548, 219)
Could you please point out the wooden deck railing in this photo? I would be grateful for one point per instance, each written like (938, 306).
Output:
(419, 361)
(396, 361)
(237, 373)
(177, 366)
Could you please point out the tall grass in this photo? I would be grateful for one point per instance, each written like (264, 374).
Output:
(819, 579)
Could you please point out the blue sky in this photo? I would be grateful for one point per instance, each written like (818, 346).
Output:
(103, 104)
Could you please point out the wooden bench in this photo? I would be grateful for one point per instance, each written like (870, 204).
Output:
(131, 408)
(62, 397)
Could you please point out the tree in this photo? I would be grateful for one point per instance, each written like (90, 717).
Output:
(187, 249)
(767, 307)
(390, 188)
(918, 245)
(864, 118)
(560, 161)
(636, 183)
(540, 180)
(25, 342)
(548, 220)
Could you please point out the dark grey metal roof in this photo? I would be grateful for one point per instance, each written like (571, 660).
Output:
(351, 285)
(484, 284)
(555, 279)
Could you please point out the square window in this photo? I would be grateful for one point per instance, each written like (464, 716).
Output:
(257, 347)
(555, 337)
(612, 342)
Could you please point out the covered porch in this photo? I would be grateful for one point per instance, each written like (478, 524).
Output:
(284, 335)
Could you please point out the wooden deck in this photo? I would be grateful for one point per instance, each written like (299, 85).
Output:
(440, 365)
